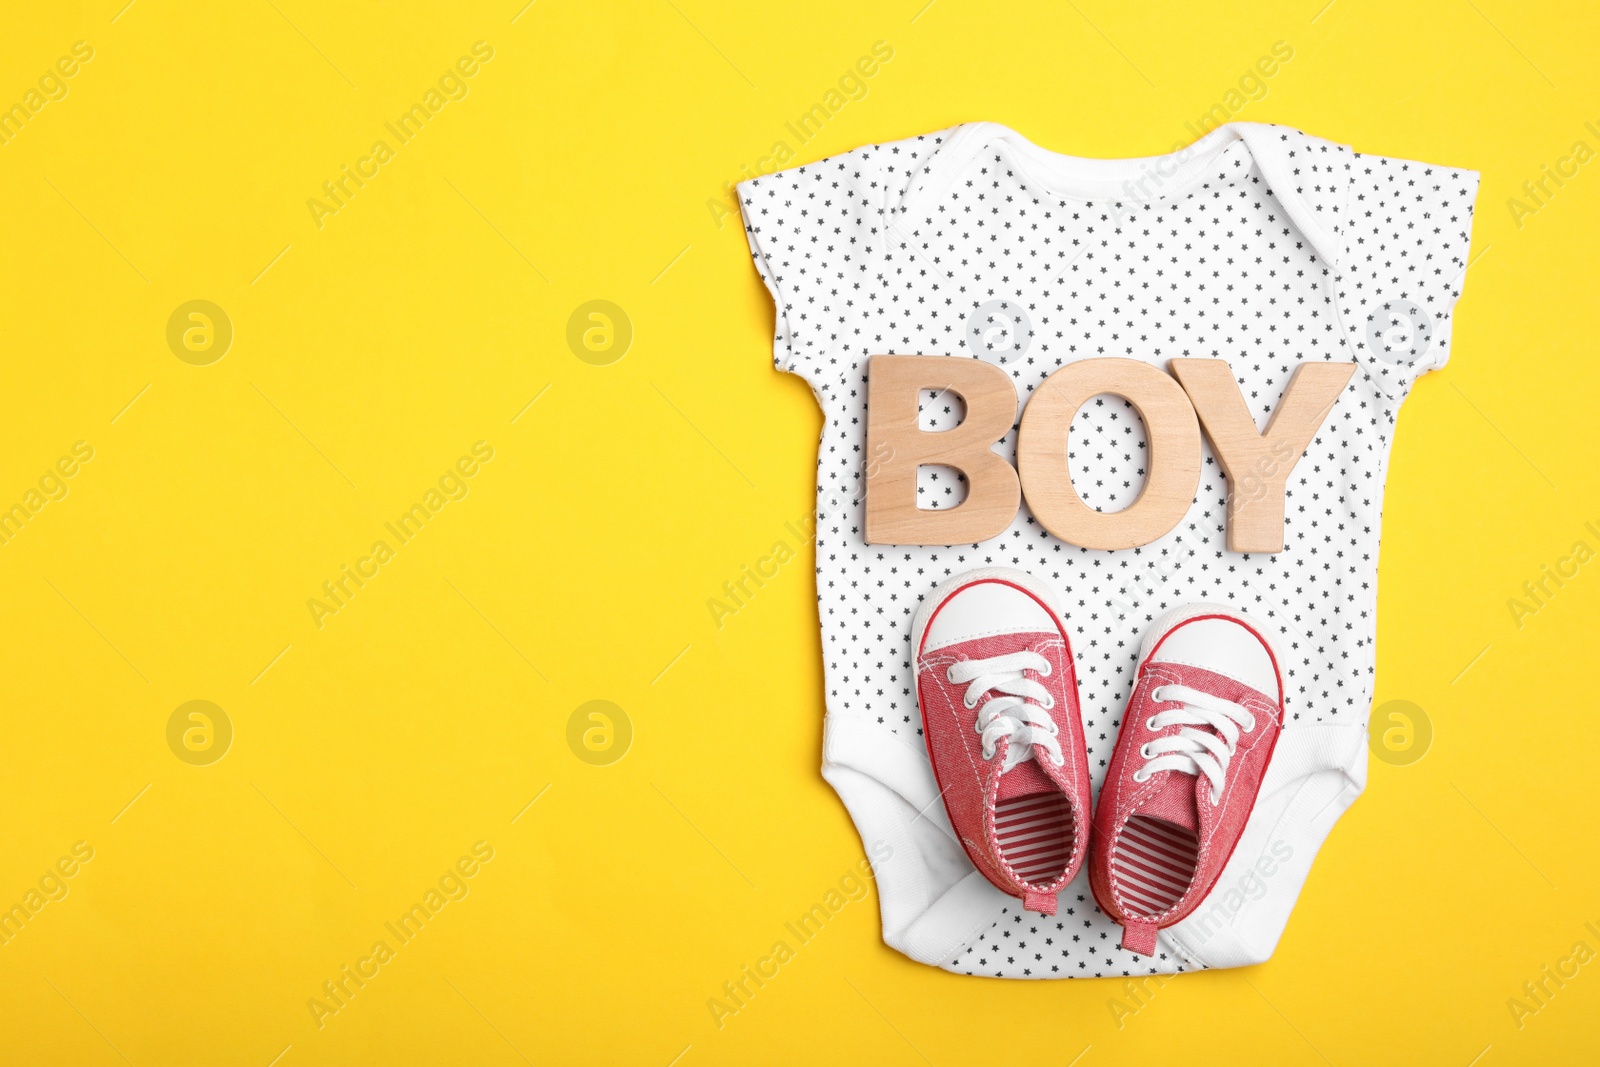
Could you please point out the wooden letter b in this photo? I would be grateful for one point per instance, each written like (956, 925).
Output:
(993, 492)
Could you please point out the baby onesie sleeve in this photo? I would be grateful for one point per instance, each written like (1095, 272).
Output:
(811, 232)
(1407, 245)
(816, 233)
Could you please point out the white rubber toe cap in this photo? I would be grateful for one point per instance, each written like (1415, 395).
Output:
(1224, 645)
(983, 609)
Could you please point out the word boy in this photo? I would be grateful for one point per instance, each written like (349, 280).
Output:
(1204, 393)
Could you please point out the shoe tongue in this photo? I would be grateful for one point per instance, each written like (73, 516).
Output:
(1177, 801)
(1024, 780)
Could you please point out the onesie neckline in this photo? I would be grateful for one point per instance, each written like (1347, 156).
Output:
(1083, 178)
(1110, 181)
(1136, 179)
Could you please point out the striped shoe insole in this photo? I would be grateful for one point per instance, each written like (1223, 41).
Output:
(1036, 835)
(1153, 863)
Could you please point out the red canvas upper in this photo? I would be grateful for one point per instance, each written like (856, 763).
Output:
(1181, 799)
(971, 784)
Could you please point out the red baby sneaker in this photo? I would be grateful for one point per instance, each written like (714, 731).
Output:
(1205, 712)
(999, 697)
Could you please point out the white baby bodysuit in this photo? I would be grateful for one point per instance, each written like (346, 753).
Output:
(1258, 245)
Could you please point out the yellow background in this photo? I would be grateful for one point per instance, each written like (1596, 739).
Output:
(370, 353)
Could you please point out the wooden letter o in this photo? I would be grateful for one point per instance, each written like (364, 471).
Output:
(1172, 470)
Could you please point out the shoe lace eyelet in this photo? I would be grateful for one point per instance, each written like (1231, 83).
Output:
(1048, 670)
(1049, 703)
(1155, 694)
(1144, 751)
(968, 704)
(1140, 777)
(1150, 724)
(950, 674)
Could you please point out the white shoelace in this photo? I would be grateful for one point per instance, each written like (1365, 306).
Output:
(1021, 715)
(1189, 750)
